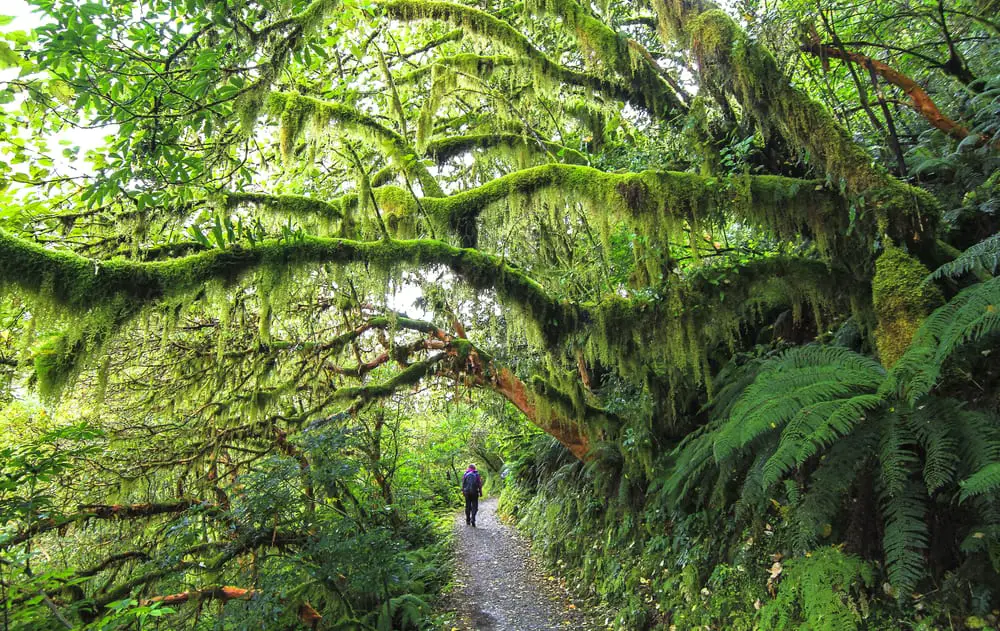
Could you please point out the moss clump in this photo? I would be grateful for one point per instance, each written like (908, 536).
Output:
(399, 211)
(901, 301)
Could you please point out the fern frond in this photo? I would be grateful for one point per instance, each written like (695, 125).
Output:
(895, 455)
(816, 592)
(694, 458)
(816, 428)
(931, 423)
(799, 378)
(968, 317)
(906, 536)
(979, 439)
(985, 254)
(832, 480)
(753, 494)
(986, 480)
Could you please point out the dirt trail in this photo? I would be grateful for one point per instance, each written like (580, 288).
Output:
(498, 588)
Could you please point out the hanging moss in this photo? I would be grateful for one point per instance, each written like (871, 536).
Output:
(728, 60)
(448, 148)
(399, 211)
(364, 127)
(495, 30)
(615, 54)
(901, 301)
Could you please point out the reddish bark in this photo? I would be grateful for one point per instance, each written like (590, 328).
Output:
(307, 615)
(223, 593)
(564, 430)
(581, 365)
(921, 101)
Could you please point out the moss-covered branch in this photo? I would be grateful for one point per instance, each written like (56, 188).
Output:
(731, 62)
(447, 148)
(617, 53)
(469, 63)
(102, 511)
(295, 111)
(486, 25)
(785, 207)
(78, 283)
(289, 204)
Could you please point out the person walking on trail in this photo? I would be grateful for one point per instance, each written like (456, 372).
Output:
(472, 489)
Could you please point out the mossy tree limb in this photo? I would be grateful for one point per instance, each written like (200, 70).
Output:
(486, 25)
(295, 110)
(729, 61)
(617, 53)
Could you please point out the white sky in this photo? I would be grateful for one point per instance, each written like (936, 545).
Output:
(24, 20)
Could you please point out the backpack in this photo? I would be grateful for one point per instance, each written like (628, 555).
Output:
(470, 483)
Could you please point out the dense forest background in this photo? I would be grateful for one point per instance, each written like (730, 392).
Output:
(709, 293)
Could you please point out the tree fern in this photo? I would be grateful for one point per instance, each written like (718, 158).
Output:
(797, 379)
(906, 536)
(986, 480)
(968, 317)
(985, 255)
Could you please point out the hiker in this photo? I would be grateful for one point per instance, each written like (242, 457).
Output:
(472, 489)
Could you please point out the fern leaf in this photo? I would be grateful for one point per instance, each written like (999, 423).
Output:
(985, 254)
(968, 317)
(831, 420)
(895, 456)
(906, 537)
(979, 439)
(931, 424)
(799, 378)
(986, 480)
(833, 479)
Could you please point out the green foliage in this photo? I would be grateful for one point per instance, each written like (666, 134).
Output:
(969, 317)
(984, 255)
(822, 591)
(721, 304)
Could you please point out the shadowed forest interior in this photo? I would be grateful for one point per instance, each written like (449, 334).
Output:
(707, 291)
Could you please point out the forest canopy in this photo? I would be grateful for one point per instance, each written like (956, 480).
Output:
(269, 269)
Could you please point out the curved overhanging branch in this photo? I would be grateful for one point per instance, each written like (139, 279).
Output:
(295, 110)
(621, 55)
(922, 102)
(290, 204)
(103, 511)
(469, 63)
(79, 283)
(786, 207)
(307, 615)
(447, 148)
(730, 61)
(459, 360)
(482, 23)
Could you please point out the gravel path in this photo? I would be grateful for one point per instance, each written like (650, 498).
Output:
(498, 588)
